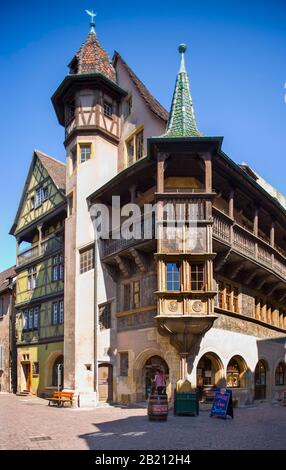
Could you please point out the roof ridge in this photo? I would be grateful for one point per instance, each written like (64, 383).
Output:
(156, 107)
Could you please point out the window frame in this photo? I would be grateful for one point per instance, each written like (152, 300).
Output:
(58, 313)
(197, 282)
(280, 375)
(133, 140)
(85, 145)
(107, 105)
(87, 263)
(172, 273)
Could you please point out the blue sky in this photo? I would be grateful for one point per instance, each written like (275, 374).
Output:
(236, 61)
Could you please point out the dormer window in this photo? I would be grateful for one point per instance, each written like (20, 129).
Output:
(107, 109)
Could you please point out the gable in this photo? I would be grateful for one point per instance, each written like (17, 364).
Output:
(38, 180)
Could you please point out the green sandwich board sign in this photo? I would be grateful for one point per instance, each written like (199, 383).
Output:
(222, 405)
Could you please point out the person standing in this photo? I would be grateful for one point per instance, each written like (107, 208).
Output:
(160, 382)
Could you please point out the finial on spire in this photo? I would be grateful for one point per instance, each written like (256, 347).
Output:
(92, 23)
(182, 49)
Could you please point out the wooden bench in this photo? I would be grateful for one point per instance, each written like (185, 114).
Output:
(60, 398)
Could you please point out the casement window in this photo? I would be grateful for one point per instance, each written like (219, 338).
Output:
(86, 259)
(32, 278)
(135, 147)
(124, 364)
(136, 294)
(107, 109)
(197, 274)
(1, 357)
(32, 203)
(42, 195)
(104, 316)
(70, 112)
(173, 276)
(1, 308)
(127, 296)
(280, 374)
(58, 313)
(31, 319)
(127, 107)
(58, 268)
(85, 152)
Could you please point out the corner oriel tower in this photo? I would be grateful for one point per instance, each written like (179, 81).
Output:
(184, 224)
(87, 104)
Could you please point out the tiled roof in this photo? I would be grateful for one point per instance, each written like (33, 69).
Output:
(149, 99)
(5, 277)
(182, 121)
(55, 168)
(92, 58)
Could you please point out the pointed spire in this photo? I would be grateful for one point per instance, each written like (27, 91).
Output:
(92, 58)
(182, 121)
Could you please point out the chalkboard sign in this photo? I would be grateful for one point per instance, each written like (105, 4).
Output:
(222, 404)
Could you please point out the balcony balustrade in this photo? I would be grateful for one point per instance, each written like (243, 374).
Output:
(46, 247)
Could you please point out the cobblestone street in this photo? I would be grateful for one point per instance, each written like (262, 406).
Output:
(28, 423)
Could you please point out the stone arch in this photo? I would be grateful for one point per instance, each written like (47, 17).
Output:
(276, 365)
(216, 374)
(138, 370)
(49, 367)
(262, 380)
(239, 379)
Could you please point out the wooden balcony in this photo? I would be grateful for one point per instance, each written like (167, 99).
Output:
(46, 247)
(246, 243)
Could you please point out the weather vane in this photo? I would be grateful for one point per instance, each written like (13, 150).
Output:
(92, 15)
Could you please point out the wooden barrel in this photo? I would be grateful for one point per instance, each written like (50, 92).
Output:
(158, 407)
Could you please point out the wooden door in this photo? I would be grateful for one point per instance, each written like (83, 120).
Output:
(27, 373)
(105, 376)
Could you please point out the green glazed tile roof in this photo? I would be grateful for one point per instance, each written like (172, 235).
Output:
(182, 121)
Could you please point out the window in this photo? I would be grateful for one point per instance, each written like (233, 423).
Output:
(32, 203)
(70, 111)
(85, 153)
(39, 196)
(46, 194)
(280, 374)
(31, 319)
(107, 109)
(197, 276)
(1, 308)
(32, 278)
(232, 374)
(104, 315)
(58, 268)
(128, 107)
(139, 145)
(25, 320)
(135, 147)
(173, 276)
(136, 294)
(126, 296)
(124, 364)
(35, 368)
(73, 161)
(86, 260)
(58, 313)
(70, 204)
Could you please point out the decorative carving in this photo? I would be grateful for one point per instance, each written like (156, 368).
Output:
(197, 306)
(173, 306)
(140, 260)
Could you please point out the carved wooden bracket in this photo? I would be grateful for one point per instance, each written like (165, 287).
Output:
(123, 265)
(140, 260)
